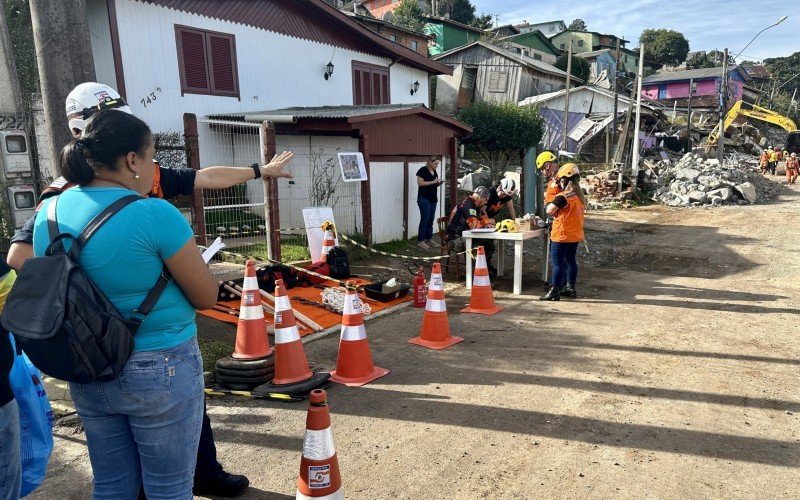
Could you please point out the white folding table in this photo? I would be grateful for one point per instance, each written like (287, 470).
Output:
(517, 238)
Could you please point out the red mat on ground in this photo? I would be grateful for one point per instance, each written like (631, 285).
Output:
(325, 318)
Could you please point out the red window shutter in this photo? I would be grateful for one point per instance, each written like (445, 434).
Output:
(224, 79)
(367, 86)
(376, 88)
(357, 99)
(193, 60)
(385, 88)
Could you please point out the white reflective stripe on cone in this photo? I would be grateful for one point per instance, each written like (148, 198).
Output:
(250, 283)
(286, 335)
(251, 312)
(354, 332)
(436, 282)
(481, 261)
(318, 445)
(481, 281)
(282, 303)
(336, 495)
(435, 305)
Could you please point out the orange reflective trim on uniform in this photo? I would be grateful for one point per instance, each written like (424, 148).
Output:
(568, 222)
(552, 190)
(156, 191)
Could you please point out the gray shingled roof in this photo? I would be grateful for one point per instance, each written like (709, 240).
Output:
(690, 74)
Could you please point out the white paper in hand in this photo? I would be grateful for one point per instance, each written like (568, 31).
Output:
(215, 247)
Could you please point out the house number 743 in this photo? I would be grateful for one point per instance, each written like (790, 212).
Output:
(149, 98)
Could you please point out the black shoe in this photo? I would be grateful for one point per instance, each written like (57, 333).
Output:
(569, 291)
(552, 294)
(225, 485)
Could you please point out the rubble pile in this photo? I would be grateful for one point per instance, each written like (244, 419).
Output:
(694, 181)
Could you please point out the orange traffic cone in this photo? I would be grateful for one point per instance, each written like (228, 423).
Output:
(354, 365)
(319, 468)
(328, 242)
(482, 299)
(435, 331)
(292, 373)
(251, 332)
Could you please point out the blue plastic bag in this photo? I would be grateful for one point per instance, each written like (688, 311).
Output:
(36, 421)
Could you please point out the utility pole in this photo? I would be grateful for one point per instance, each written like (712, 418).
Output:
(616, 100)
(64, 56)
(723, 100)
(9, 81)
(566, 96)
(637, 125)
(689, 120)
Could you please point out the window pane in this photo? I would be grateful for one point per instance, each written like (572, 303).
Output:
(16, 144)
(223, 74)
(366, 81)
(357, 99)
(194, 60)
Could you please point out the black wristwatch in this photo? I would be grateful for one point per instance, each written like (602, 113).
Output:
(257, 169)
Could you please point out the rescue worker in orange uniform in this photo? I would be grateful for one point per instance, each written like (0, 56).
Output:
(547, 163)
(567, 209)
(763, 161)
(471, 214)
(792, 167)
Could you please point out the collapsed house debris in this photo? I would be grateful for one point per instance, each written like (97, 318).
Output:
(694, 181)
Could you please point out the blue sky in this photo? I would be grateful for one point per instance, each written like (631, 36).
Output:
(707, 24)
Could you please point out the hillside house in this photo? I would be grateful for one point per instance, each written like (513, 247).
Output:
(589, 41)
(548, 28)
(531, 44)
(449, 34)
(601, 61)
(174, 60)
(486, 72)
(384, 9)
(672, 89)
(414, 40)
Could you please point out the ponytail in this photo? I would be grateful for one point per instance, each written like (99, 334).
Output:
(108, 137)
(73, 163)
(575, 184)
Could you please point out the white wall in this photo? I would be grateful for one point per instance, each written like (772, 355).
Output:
(100, 38)
(274, 70)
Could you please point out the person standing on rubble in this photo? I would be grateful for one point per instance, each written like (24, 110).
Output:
(763, 162)
(566, 233)
(792, 167)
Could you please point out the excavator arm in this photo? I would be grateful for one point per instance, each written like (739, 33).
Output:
(741, 108)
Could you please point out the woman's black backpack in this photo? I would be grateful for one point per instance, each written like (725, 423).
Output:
(339, 263)
(62, 320)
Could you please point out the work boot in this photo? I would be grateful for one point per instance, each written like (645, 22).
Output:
(225, 485)
(552, 294)
(569, 291)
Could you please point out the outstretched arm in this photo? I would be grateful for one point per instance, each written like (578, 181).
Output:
(223, 177)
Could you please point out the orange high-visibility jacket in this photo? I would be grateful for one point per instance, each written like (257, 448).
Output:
(551, 191)
(568, 222)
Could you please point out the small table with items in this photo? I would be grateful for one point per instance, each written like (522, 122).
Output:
(517, 238)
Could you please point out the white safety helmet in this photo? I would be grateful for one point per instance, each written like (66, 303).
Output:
(508, 186)
(89, 98)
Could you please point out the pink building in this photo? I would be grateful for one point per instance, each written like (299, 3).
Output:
(673, 87)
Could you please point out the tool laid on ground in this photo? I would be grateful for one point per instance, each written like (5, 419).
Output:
(255, 394)
(225, 309)
(312, 303)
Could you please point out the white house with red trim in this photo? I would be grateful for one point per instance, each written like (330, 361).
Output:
(246, 61)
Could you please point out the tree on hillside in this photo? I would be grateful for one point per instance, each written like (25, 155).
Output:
(578, 25)
(783, 69)
(463, 11)
(663, 46)
(501, 131)
(581, 68)
(408, 15)
(710, 59)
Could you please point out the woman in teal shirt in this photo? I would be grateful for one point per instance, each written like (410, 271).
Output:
(143, 426)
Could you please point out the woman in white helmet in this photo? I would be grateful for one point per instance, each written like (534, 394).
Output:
(502, 195)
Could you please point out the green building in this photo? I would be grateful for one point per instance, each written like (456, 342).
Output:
(449, 34)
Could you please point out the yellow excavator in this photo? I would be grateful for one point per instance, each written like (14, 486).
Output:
(751, 110)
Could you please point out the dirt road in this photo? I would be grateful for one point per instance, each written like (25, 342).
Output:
(676, 375)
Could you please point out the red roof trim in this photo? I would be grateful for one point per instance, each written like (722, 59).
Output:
(309, 20)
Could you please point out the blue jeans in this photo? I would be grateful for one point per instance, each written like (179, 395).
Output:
(427, 212)
(10, 469)
(565, 265)
(144, 425)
